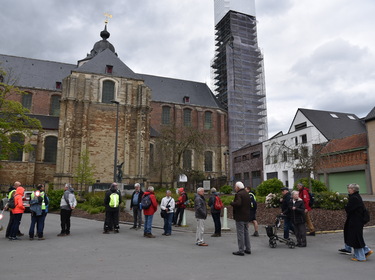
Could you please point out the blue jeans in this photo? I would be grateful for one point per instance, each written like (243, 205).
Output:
(359, 253)
(168, 223)
(39, 221)
(148, 223)
(287, 227)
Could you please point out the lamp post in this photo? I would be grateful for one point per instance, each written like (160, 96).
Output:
(116, 142)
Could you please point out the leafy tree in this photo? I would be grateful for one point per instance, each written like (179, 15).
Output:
(14, 120)
(84, 174)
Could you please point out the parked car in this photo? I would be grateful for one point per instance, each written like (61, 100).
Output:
(26, 201)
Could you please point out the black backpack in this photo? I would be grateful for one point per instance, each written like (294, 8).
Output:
(312, 199)
(11, 203)
(146, 202)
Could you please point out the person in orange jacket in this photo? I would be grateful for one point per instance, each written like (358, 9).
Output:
(17, 212)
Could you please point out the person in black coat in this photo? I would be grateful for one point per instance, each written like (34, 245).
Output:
(112, 202)
(284, 207)
(353, 229)
(134, 205)
(296, 213)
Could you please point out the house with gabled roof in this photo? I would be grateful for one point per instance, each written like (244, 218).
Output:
(291, 156)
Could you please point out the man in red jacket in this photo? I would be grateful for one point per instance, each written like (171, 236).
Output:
(149, 212)
(304, 195)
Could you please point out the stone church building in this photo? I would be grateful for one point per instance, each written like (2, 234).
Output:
(80, 105)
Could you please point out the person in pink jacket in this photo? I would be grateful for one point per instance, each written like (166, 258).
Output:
(17, 212)
(149, 212)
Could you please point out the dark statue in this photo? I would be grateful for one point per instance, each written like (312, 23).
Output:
(119, 172)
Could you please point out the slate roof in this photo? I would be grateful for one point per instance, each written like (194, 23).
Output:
(174, 90)
(97, 65)
(34, 73)
(371, 115)
(334, 128)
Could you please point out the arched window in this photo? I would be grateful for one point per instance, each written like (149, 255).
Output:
(186, 160)
(50, 149)
(207, 120)
(55, 105)
(108, 91)
(17, 140)
(166, 115)
(187, 117)
(27, 99)
(208, 155)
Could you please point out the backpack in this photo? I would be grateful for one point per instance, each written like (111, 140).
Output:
(253, 202)
(114, 200)
(218, 205)
(312, 199)
(146, 202)
(11, 203)
(186, 199)
(36, 205)
(365, 216)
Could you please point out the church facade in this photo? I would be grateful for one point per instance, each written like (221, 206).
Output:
(80, 106)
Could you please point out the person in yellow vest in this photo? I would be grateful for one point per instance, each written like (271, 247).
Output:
(38, 216)
(112, 202)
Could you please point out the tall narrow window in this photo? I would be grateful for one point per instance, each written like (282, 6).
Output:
(50, 149)
(208, 155)
(27, 100)
(166, 115)
(186, 164)
(151, 163)
(187, 117)
(17, 140)
(108, 91)
(207, 120)
(55, 105)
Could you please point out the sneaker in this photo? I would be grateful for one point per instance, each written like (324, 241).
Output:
(203, 244)
(116, 231)
(41, 238)
(238, 253)
(345, 252)
(247, 252)
(133, 227)
(369, 253)
(61, 234)
(150, 235)
(356, 260)
(256, 234)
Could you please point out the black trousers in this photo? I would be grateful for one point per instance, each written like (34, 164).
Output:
(178, 216)
(216, 218)
(65, 220)
(111, 220)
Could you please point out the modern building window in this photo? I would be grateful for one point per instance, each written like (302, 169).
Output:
(187, 117)
(300, 126)
(246, 179)
(237, 177)
(50, 149)
(207, 120)
(208, 159)
(186, 160)
(18, 140)
(166, 115)
(304, 152)
(285, 156)
(27, 100)
(55, 105)
(108, 91)
(304, 139)
(295, 154)
(255, 154)
(295, 140)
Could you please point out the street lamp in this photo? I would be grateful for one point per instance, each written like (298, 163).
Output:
(116, 142)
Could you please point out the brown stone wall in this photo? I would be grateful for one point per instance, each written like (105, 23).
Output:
(344, 159)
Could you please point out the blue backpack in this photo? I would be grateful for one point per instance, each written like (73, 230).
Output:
(146, 202)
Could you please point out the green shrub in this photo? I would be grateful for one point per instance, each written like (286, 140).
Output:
(316, 185)
(273, 185)
(330, 200)
(226, 189)
(227, 199)
(54, 199)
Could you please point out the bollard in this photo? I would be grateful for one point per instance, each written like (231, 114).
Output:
(183, 224)
(225, 220)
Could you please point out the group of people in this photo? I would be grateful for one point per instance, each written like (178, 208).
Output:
(295, 208)
(39, 202)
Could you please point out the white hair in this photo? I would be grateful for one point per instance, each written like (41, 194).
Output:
(353, 186)
(136, 185)
(240, 185)
(213, 190)
(200, 189)
(295, 192)
(151, 189)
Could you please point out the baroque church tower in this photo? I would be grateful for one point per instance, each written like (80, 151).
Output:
(100, 85)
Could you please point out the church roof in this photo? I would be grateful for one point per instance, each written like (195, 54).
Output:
(175, 90)
(97, 65)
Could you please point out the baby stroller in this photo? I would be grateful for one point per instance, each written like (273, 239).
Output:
(272, 234)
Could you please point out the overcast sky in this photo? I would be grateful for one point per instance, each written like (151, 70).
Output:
(318, 54)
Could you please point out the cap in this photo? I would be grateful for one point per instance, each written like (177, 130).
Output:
(285, 189)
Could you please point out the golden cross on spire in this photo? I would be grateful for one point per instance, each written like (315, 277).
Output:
(107, 16)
